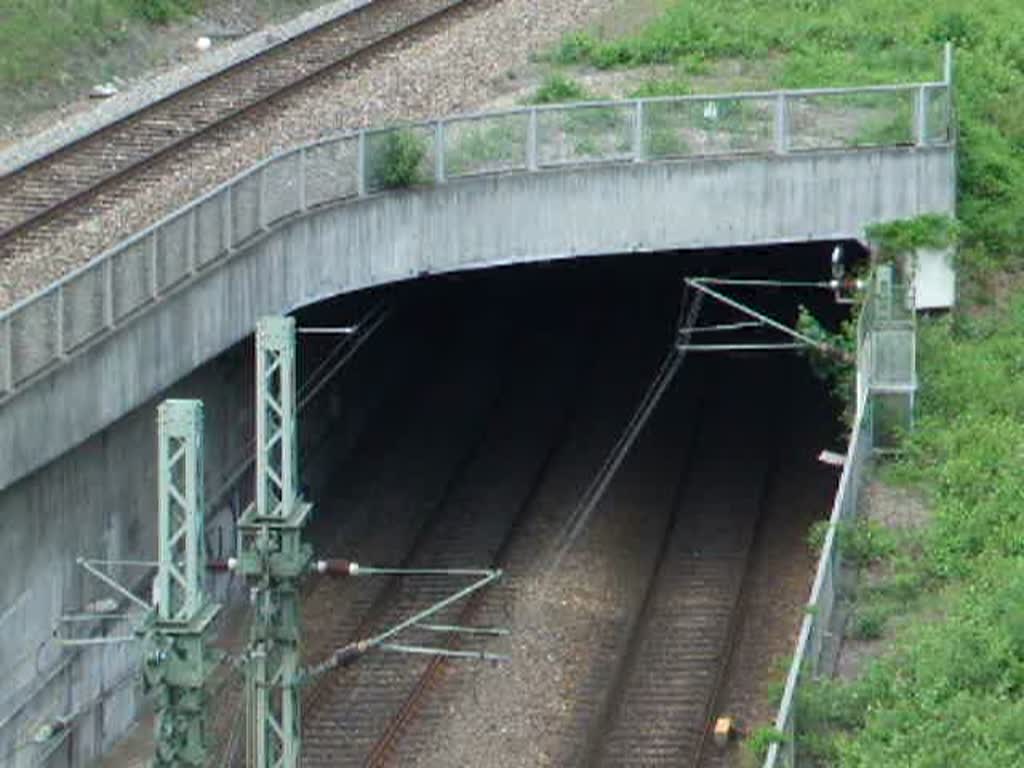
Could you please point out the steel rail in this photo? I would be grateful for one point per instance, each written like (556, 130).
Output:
(305, 79)
(732, 633)
(387, 742)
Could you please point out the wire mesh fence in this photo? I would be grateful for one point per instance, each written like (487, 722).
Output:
(486, 144)
(585, 133)
(819, 625)
(92, 301)
(886, 383)
(702, 127)
(851, 120)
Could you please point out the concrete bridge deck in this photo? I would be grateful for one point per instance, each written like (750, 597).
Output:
(513, 187)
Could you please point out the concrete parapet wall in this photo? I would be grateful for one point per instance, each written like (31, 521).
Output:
(471, 224)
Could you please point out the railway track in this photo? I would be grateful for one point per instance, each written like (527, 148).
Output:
(662, 702)
(657, 575)
(87, 174)
(408, 737)
(487, 497)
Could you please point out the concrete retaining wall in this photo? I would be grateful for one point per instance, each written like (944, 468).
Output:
(98, 501)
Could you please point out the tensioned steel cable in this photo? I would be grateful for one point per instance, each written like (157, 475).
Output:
(574, 525)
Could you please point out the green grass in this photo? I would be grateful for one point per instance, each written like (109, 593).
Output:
(37, 37)
(559, 89)
(946, 598)
(852, 42)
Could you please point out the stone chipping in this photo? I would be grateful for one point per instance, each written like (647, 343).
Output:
(472, 61)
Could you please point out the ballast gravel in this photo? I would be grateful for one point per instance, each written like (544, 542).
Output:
(466, 65)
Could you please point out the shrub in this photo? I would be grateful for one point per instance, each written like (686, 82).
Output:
(762, 739)
(396, 159)
(557, 89)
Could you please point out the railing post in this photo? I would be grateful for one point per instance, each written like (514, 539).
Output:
(7, 350)
(439, 174)
(229, 218)
(60, 322)
(781, 140)
(108, 292)
(921, 129)
(261, 201)
(153, 241)
(302, 179)
(947, 64)
(638, 133)
(361, 164)
(191, 239)
(531, 141)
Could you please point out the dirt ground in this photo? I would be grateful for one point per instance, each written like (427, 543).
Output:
(898, 509)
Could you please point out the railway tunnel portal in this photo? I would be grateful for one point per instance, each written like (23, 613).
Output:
(159, 332)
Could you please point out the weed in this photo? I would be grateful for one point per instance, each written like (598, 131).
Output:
(395, 159)
(669, 86)
(868, 623)
(162, 11)
(862, 541)
(558, 89)
(906, 235)
(833, 360)
(762, 739)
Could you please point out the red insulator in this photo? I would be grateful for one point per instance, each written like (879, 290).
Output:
(337, 567)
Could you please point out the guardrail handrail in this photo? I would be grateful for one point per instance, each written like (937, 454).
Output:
(96, 298)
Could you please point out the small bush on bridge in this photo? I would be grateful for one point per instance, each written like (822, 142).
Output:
(395, 159)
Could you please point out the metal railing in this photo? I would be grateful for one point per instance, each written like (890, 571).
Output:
(41, 331)
(885, 369)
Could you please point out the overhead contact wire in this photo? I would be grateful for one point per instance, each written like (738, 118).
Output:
(689, 310)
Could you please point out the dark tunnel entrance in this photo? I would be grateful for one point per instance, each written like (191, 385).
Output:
(466, 431)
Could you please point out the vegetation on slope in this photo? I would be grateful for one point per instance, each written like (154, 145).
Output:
(36, 36)
(950, 689)
(54, 51)
(854, 42)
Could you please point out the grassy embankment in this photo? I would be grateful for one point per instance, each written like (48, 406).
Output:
(37, 37)
(53, 51)
(949, 689)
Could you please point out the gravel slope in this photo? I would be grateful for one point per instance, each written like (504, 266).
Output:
(465, 66)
